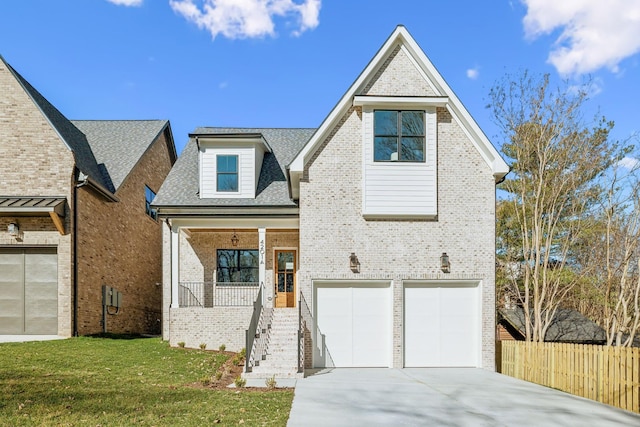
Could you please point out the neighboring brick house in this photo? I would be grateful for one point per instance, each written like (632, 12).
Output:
(369, 241)
(75, 215)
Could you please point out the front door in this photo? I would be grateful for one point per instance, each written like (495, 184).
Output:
(285, 268)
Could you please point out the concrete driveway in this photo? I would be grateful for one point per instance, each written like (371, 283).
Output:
(441, 397)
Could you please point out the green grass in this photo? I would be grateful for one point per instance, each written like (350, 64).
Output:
(122, 382)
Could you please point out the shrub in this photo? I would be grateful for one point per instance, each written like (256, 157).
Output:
(181, 344)
(271, 382)
(240, 382)
(203, 346)
(222, 347)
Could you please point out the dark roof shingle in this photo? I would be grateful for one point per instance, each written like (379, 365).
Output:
(182, 184)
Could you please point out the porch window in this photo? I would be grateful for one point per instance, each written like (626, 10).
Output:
(237, 266)
(399, 136)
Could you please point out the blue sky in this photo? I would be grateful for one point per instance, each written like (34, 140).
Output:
(286, 63)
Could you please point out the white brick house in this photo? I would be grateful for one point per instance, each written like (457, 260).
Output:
(344, 228)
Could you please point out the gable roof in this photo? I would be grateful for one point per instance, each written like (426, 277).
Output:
(401, 36)
(566, 326)
(71, 136)
(118, 145)
(180, 188)
(105, 151)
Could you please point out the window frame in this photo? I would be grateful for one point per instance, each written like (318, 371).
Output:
(399, 135)
(236, 173)
(237, 268)
(152, 213)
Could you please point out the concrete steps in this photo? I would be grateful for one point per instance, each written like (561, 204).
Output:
(280, 358)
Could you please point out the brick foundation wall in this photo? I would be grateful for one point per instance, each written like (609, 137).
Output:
(211, 326)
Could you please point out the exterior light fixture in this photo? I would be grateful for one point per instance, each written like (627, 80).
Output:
(445, 266)
(13, 230)
(234, 239)
(354, 264)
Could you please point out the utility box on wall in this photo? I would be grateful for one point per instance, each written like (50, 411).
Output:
(111, 297)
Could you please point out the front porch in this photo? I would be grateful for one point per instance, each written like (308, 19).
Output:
(217, 269)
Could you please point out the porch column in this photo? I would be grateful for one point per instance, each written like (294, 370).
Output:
(262, 266)
(175, 265)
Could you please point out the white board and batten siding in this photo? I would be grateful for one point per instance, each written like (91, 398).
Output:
(398, 189)
(248, 171)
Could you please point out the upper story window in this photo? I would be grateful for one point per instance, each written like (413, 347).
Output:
(227, 173)
(149, 195)
(399, 136)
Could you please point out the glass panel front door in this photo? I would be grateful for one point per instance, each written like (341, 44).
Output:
(285, 268)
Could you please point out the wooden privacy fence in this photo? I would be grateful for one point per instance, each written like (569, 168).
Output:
(607, 374)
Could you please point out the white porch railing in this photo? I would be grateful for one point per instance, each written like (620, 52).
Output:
(217, 294)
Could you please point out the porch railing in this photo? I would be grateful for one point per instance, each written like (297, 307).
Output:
(252, 333)
(217, 294)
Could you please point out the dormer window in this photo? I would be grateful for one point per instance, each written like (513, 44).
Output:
(227, 173)
(399, 136)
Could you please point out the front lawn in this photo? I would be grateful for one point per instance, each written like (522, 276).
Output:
(123, 382)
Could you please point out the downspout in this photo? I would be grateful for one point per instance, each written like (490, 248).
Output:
(75, 256)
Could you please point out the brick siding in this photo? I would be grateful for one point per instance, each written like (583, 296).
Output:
(119, 245)
(332, 226)
(36, 162)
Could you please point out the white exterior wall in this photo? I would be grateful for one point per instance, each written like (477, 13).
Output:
(210, 326)
(398, 189)
(332, 224)
(247, 171)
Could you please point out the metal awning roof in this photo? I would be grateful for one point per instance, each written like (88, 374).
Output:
(17, 206)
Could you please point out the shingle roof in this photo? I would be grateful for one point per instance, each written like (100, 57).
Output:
(566, 326)
(105, 150)
(73, 137)
(182, 184)
(118, 145)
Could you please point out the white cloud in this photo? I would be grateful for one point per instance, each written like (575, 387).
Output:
(126, 2)
(247, 18)
(629, 163)
(473, 73)
(593, 33)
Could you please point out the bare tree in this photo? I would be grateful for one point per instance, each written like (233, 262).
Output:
(617, 254)
(556, 159)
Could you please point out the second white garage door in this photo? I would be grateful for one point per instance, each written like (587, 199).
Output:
(355, 319)
(442, 327)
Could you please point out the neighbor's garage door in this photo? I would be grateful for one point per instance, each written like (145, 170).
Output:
(29, 291)
(355, 319)
(442, 324)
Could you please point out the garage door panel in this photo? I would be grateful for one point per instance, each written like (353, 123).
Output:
(441, 325)
(356, 323)
(28, 291)
(11, 292)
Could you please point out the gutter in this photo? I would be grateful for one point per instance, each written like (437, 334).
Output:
(86, 180)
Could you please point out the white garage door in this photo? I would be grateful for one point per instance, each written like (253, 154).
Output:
(442, 327)
(355, 319)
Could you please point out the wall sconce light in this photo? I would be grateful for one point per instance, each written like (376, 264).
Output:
(354, 264)
(445, 266)
(13, 230)
(234, 239)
